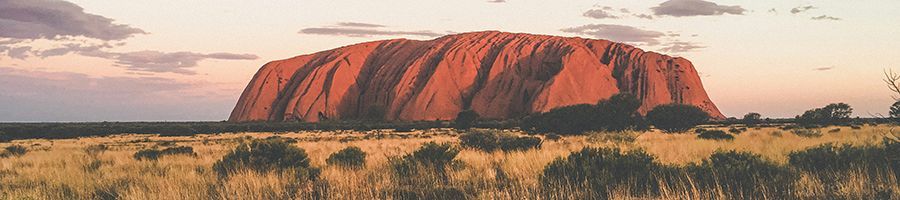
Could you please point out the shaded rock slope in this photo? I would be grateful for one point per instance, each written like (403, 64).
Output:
(498, 75)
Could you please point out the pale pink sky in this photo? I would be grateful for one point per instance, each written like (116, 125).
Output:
(174, 60)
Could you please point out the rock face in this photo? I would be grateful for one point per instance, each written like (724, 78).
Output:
(498, 75)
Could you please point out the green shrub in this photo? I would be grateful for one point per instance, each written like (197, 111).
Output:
(267, 156)
(736, 130)
(832, 114)
(552, 137)
(600, 169)
(350, 157)
(831, 158)
(465, 119)
(715, 135)
(752, 119)
(676, 117)
(431, 164)
(153, 154)
(488, 141)
(809, 133)
(568, 120)
(14, 150)
(741, 173)
(512, 143)
(618, 113)
(615, 137)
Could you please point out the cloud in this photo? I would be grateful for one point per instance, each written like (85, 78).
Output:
(801, 9)
(159, 62)
(48, 19)
(358, 24)
(680, 47)
(685, 8)
(825, 17)
(619, 33)
(599, 14)
(354, 29)
(643, 16)
(497, 1)
(30, 95)
(823, 68)
(18, 52)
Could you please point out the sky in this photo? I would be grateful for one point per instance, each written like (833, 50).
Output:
(176, 60)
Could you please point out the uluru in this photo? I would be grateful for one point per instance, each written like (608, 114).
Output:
(498, 75)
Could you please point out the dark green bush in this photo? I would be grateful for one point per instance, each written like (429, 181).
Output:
(266, 156)
(153, 154)
(465, 119)
(552, 136)
(752, 119)
(809, 133)
(618, 113)
(736, 130)
(676, 117)
(430, 163)
(715, 135)
(350, 157)
(569, 120)
(741, 173)
(831, 158)
(600, 169)
(14, 150)
(512, 143)
(480, 139)
(832, 114)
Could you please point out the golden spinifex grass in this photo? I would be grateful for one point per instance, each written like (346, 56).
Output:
(65, 169)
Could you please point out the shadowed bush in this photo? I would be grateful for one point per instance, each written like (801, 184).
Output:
(831, 158)
(744, 174)
(153, 154)
(267, 156)
(483, 140)
(676, 117)
(520, 143)
(618, 113)
(14, 150)
(465, 120)
(715, 135)
(423, 174)
(599, 169)
(350, 157)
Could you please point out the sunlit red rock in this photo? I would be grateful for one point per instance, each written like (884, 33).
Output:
(498, 75)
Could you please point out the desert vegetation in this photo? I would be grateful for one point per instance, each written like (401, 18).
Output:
(442, 163)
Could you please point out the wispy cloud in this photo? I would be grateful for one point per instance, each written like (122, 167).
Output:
(599, 14)
(680, 47)
(355, 29)
(685, 8)
(825, 17)
(801, 9)
(619, 33)
(496, 1)
(156, 61)
(823, 68)
(358, 24)
(48, 19)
